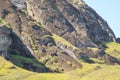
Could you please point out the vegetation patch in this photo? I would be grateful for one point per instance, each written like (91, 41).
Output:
(5, 23)
(51, 63)
(97, 61)
(88, 72)
(47, 76)
(103, 74)
(63, 41)
(9, 71)
(23, 61)
(113, 49)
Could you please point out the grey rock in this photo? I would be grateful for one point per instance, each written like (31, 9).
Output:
(65, 17)
(5, 40)
(118, 40)
(20, 4)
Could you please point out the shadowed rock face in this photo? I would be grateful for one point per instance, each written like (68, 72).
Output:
(62, 29)
(118, 40)
(5, 40)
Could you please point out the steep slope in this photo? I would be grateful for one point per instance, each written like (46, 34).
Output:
(56, 40)
(55, 34)
(65, 17)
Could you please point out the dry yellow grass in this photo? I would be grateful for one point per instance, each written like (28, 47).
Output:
(96, 71)
(113, 49)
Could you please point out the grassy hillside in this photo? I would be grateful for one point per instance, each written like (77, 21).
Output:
(96, 71)
(113, 49)
(9, 71)
(89, 72)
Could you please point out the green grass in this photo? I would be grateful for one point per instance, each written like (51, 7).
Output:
(63, 41)
(9, 71)
(113, 49)
(5, 23)
(97, 61)
(48, 76)
(107, 73)
(20, 61)
(50, 62)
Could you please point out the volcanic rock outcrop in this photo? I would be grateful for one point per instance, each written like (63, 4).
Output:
(66, 30)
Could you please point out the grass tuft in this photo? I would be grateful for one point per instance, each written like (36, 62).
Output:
(113, 49)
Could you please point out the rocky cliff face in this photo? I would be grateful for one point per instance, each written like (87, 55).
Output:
(5, 40)
(68, 17)
(64, 29)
